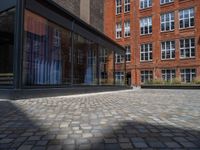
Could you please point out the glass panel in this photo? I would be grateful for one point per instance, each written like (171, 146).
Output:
(47, 49)
(6, 46)
(85, 61)
(106, 66)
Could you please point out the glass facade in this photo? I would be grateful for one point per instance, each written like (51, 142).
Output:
(47, 52)
(49, 58)
(6, 46)
(85, 61)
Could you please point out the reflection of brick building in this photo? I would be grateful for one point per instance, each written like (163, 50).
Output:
(91, 11)
(164, 37)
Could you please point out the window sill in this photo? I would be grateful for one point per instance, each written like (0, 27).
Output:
(146, 9)
(146, 61)
(188, 28)
(188, 58)
(167, 4)
(168, 31)
(143, 35)
(127, 37)
(170, 59)
(126, 13)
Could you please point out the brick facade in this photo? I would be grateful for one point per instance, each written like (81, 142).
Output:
(135, 40)
(91, 11)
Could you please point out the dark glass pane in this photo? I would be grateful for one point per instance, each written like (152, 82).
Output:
(172, 25)
(192, 22)
(6, 46)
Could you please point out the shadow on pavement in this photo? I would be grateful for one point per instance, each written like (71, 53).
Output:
(19, 130)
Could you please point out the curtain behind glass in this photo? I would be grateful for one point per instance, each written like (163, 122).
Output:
(46, 52)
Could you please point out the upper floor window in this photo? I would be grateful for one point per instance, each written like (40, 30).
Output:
(187, 48)
(168, 49)
(146, 25)
(167, 22)
(146, 52)
(145, 4)
(127, 30)
(186, 18)
(127, 6)
(128, 53)
(165, 1)
(118, 7)
(188, 75)
(118, 58)
(118, 30)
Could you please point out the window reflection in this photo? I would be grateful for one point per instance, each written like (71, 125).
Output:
(6, 46)
(106, 66)
(47, 50)
(85, 61)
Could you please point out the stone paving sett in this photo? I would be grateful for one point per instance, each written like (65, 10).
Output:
(136, 119)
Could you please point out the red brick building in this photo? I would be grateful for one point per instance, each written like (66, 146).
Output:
(163, 36)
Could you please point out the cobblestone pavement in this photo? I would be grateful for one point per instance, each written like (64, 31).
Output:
(140, 120)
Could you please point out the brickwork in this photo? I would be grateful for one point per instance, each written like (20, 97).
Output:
(135, 40)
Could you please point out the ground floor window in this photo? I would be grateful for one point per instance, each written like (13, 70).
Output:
(119, 77)
(168, 74)
(146, 76)
(188, 75)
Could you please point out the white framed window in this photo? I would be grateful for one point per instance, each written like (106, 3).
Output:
(187, 48)
(168, 50)
(168, 74)
(167, 21)
(186, 18)
(127, 6)
(128, 53)
(119, 77)
(127, 30)
(145, 4)
(118, 4)
(118, 58)
(118, 30)
(146, 76)
(188, 75)
(146, 25)
(165, 1)
(146, 52)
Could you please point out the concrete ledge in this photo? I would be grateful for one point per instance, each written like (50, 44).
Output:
(15, 94)
(153, 86)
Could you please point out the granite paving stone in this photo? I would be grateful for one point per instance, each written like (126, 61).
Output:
(141, 119)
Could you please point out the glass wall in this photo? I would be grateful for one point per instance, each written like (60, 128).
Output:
(106, 66)
(6, 46)
(48, 58)
(85, 61)
(47, 52)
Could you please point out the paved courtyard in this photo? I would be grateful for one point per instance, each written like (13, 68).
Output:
(137, 119)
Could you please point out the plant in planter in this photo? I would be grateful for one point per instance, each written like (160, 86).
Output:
(196, 81)
(158, 81)
(176, 81)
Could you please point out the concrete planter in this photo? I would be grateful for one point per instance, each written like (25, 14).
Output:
(160, 86)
